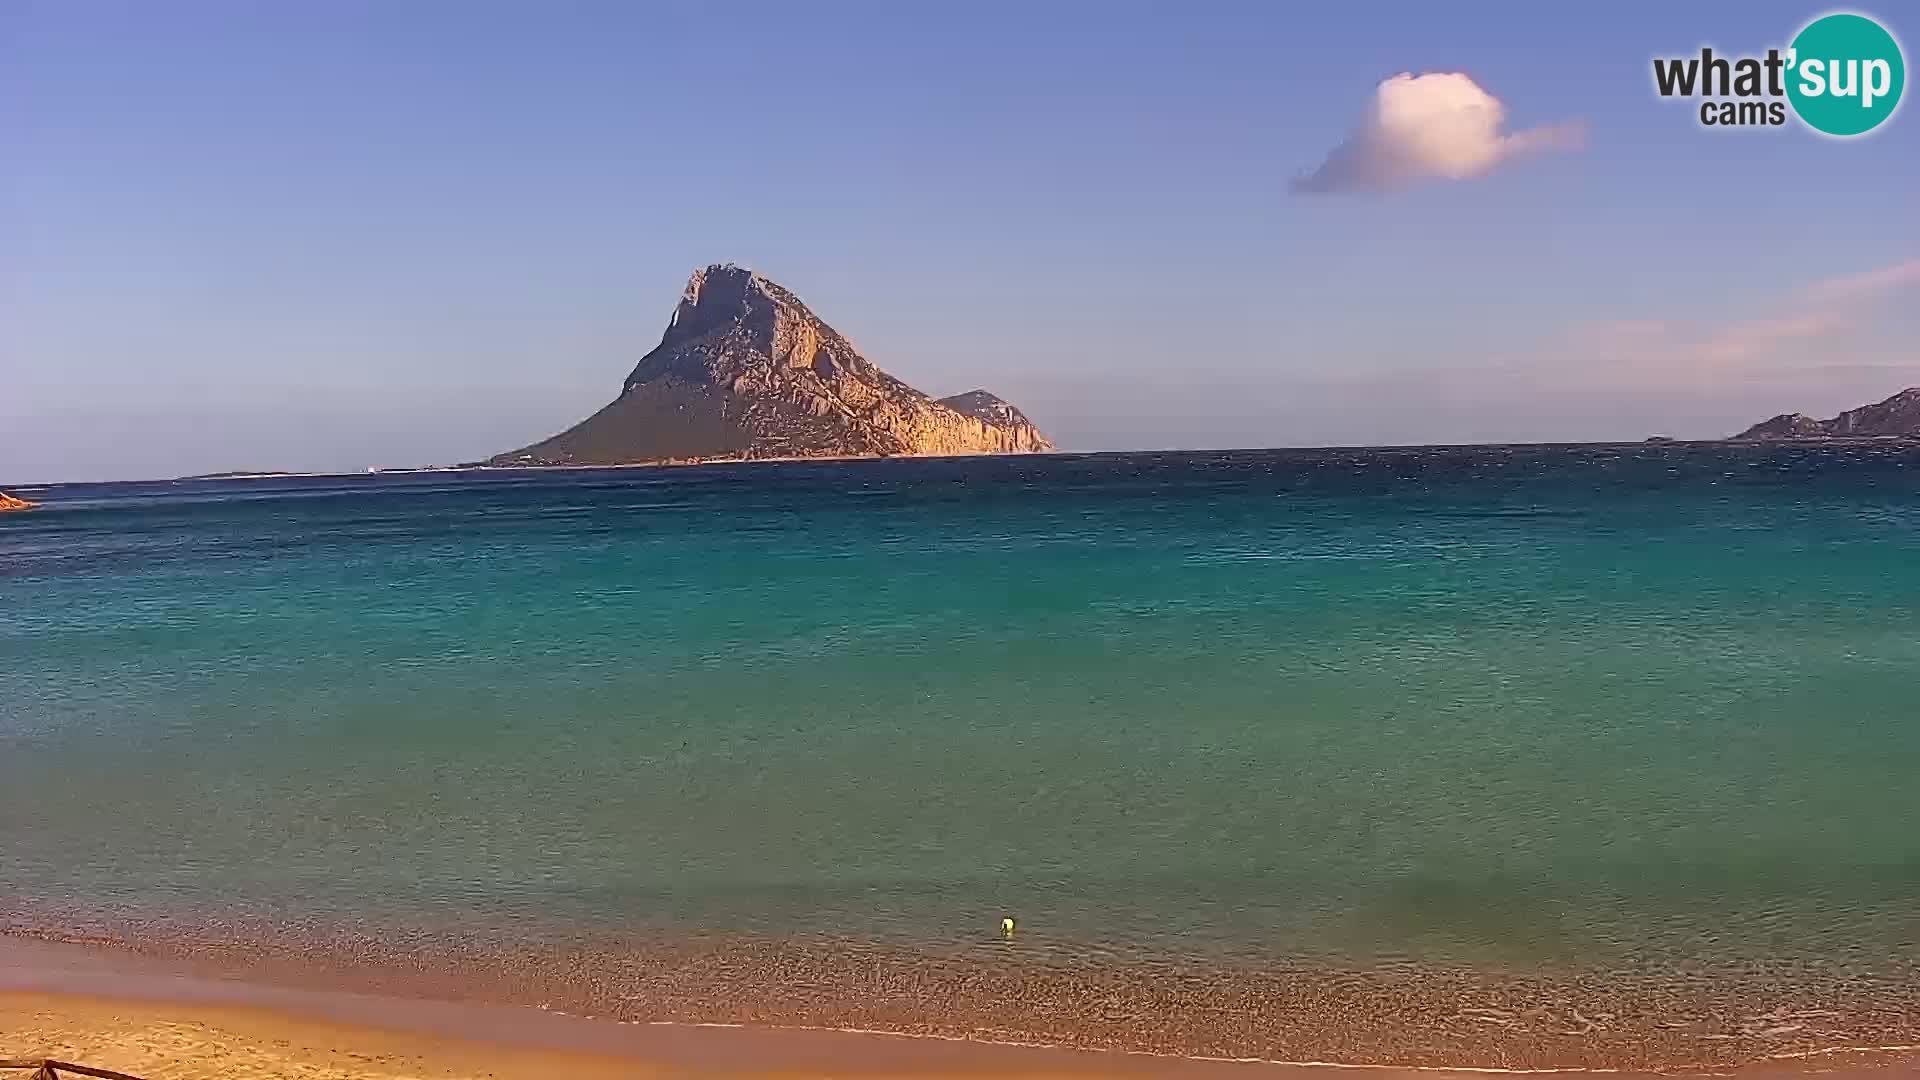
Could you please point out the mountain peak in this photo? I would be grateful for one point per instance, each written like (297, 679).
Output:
(745, 370)
(722, 288)
(984, 405)
(725, 291)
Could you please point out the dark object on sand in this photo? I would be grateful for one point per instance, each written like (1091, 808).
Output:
(49, 1069)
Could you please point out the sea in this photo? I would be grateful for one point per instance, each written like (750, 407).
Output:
(1508, 721)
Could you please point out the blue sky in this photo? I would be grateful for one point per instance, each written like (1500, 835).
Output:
(328, 235)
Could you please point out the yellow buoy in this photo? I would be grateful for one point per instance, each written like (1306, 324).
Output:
(1006, 926)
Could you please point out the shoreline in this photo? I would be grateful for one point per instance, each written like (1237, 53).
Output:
(87, 1004)
(68, 989)
(1805, 442)
(680, 1031)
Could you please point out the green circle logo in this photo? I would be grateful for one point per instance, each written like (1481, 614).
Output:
(1845, 74)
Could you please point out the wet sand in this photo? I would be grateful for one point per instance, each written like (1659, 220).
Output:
(165, 1016)
(172, 1040)
(163, 1041)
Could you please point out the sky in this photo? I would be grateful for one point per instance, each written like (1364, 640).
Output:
(306, 235)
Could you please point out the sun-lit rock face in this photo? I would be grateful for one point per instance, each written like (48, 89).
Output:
(745, 371)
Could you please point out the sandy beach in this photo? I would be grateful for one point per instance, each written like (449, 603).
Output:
(161, 1020)
(175, 1041)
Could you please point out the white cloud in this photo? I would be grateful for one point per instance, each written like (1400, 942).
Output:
(1440, 125)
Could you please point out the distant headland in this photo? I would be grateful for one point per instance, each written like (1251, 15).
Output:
(1896, 417)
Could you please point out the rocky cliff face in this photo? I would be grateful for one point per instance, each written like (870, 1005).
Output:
(1898, 415)
(991, 408)
(745, 371)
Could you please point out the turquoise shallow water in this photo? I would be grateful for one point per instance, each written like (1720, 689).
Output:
(1497, 707)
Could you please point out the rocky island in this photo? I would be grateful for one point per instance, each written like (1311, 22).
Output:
(745, 371)
(1897, 416)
